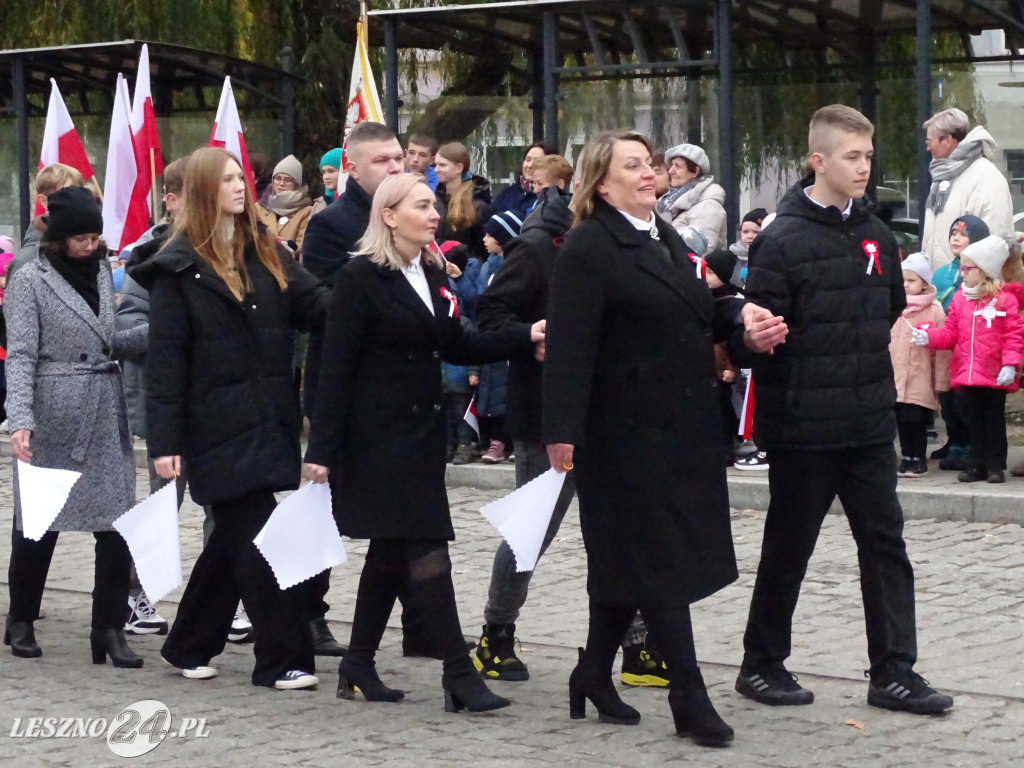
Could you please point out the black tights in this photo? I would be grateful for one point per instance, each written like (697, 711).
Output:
(424, 569)
(669, 626)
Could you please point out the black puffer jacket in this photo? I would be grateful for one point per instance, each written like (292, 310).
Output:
(830, 385)
(218, 372)
(518, 294)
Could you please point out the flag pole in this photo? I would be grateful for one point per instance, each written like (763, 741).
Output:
(152, 175)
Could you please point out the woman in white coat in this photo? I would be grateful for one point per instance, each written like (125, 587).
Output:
(693, 197)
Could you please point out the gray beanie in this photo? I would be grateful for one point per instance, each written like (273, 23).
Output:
(920, 264)
(290, 166)
(691, 152)
(989, 254)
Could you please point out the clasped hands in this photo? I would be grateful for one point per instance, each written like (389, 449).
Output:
(763, 331)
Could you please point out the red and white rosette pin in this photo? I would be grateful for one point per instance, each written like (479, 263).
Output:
(871, 252)
(701, 266)
(453, 308)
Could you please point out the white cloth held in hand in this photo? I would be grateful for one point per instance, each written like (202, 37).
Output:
(523, 516)
(1006, 376)
(43, 493)
(920, 337)
(150, 529)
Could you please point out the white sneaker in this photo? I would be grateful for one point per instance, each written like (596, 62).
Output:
(241, 629)
(296, 679)
(143, 618)
(199, 673)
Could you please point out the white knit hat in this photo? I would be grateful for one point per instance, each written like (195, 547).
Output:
(989, 254)
(691, 152)
(919, 264)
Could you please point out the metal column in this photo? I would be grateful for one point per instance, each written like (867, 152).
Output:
(21, 112)
(726, 129)
(537, 93)
(288, 102)
(869, 102)
(551, 78)
(391, 103)
(924, 101)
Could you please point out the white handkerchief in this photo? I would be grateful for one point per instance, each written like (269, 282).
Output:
(301, 538)
(151, 530)
(43, 493)
(523, 516)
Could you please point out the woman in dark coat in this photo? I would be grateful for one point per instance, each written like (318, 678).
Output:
(225, 300)
(379, 432)
(629, 399)
(66, 410)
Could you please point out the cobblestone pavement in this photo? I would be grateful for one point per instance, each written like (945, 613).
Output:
(970, 586)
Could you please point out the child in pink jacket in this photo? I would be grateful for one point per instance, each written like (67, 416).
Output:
(985, 331)
(920, 373)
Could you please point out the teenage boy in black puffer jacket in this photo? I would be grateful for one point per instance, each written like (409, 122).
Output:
(825, 412)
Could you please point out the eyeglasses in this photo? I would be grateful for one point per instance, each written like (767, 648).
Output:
(965, 268)
(283, 179)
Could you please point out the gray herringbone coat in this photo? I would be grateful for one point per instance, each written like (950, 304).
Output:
(64, 385)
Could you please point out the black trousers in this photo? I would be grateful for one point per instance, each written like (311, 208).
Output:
(986, 424)
(912, 424)
(230, 567)
(954, 413)
(803, 485)
(30, 564)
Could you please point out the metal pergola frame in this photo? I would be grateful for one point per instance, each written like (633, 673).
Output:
(663, 38)
(87, 77)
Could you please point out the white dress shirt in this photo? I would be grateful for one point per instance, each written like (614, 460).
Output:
(413, 272)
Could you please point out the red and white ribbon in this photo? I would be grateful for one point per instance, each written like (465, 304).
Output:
(871, 251)
(701, 266)
(453, 308)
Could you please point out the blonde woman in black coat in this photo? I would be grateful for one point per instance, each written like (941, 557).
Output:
(379, 433)
(629, 399)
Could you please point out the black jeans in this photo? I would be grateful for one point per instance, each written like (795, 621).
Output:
(803, 485)
(912, 423)
(954, 413)
(230, 567)
(30, 563)
(986, 423)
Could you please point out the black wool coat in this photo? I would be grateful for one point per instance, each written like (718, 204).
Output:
(379, 423)
(629, 380)
(219, 384)
(831, 384)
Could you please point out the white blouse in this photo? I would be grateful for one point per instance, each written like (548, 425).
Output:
(413, 272)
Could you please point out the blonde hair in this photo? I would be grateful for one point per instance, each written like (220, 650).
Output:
(949, 122)
(832, 120)
(57, 176)
(556, 167)
(988, 287)
(595, 160)
(378, 242)
(461, 211)
(200, 221)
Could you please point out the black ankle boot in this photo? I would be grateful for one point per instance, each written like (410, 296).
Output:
(465, 689)
(694, 714)
(324, 643)
(584, 685)
(22, 638)
(354, 674)
(111, 642)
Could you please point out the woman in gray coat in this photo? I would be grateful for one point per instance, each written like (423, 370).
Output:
(65, 406)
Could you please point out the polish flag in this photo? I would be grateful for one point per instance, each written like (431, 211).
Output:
(471, 419)
(747, 412)
(125, 216)
(144, 134)
(61, 143)
(227, 131)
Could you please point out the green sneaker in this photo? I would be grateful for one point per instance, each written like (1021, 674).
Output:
(495, 657)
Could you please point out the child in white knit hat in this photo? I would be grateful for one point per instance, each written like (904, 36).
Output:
(919, 372)
(985, 331)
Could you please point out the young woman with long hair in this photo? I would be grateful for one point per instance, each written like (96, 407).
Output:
(463, 199)
(226, 301)
(379, 433)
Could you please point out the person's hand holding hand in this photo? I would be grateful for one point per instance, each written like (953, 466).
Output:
(315, 472)
(763, 330)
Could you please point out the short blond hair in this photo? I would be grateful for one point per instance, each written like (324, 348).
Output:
(57, 176)
(378, 242)
(828, 123)
(556, 166)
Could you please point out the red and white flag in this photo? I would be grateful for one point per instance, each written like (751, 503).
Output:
(470, 417)
(144, 134)
(363, 101)
(747, 412)
(125, 216)
(61, 143)
(227, 131)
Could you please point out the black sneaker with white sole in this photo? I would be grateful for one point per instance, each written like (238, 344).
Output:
(907, 692)
(295, 679)
(774, 686)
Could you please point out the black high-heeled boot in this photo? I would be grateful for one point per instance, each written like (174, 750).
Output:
(363, 675)
(694, 714)
(111, 642)
(584, 684)
(21, 636)
(465, 689)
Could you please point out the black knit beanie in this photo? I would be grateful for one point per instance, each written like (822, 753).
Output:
(72, 211)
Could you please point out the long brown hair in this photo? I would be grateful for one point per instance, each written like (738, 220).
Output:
(201, 219)
(595, 160)
(461, 211)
